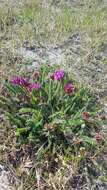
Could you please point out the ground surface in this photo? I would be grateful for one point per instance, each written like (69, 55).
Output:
(70, 33)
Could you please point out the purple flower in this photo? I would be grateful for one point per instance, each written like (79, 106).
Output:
(34, 86)
(68, 88)
(36, 75)
(86, 115)
(20, 81)
(98, 137)
(58, 75)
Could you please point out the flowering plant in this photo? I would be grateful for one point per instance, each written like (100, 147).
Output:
(50, 107)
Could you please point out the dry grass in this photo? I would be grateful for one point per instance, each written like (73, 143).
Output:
(33, 21)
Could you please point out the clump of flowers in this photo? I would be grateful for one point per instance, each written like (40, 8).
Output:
(49, 108)
(20, 81)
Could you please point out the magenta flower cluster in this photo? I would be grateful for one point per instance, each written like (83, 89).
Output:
(58, 75)
(20, 81)
(69, 88)
(23, 82)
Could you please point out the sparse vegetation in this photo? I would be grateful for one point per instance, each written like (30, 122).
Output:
(52, 132)
(35, 21)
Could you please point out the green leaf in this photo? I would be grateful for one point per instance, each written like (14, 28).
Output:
(20, 131)
(55, 114)
(13, 119)
(75, 122)
(27, 110)
(88, 140)
(14, 89)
